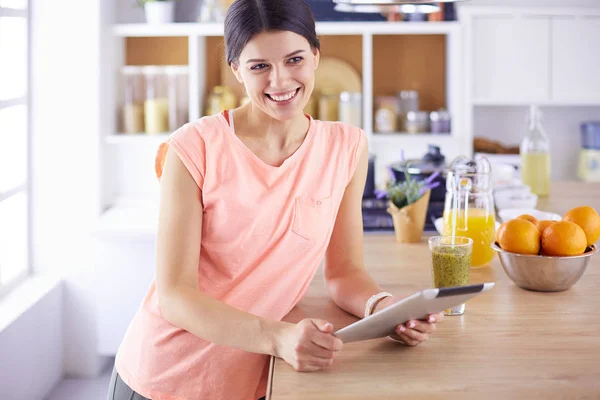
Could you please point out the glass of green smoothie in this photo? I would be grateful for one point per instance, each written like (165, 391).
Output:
(450, 264)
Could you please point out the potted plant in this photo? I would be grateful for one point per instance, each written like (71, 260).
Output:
(408, 202)
(158, 11)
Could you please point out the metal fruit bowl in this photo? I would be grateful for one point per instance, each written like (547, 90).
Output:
(544, 273)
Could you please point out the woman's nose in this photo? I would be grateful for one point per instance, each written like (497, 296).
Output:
(279, 77)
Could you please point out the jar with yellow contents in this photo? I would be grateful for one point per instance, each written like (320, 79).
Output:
(156, 105)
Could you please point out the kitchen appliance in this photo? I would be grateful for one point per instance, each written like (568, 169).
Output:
(407, 7)
(589, 156)
(375, 215)
(374, 210)
(369, 191)
(433, 161)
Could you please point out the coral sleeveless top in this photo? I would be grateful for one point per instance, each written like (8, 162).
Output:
(265, 230)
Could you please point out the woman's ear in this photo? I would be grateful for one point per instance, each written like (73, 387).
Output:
(317, 55)
(235, 68)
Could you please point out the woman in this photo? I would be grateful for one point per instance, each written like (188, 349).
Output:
(251, 201)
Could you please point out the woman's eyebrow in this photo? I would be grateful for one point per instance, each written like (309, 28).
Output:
(253, 60)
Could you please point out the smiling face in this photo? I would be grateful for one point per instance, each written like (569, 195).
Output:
(278, 71)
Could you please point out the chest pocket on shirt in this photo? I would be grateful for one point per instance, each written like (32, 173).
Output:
(312, 217)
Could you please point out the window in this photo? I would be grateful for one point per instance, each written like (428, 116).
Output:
(14, 144)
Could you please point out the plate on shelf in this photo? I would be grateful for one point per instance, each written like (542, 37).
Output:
(337, 75)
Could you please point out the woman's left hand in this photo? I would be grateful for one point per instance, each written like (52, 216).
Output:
(413, 332)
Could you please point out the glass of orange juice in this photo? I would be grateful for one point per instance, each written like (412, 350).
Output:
(469, 207)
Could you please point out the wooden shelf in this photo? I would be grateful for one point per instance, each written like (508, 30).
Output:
(165, 50)
(415, 62)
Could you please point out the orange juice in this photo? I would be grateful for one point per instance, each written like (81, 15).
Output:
(480, 226)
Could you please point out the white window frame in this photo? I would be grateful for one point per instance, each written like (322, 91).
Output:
(24, 187)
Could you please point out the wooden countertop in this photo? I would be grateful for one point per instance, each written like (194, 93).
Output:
(510, 343)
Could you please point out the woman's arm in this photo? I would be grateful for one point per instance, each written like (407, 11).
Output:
(348, 283)
(307, 345)
(178, 249)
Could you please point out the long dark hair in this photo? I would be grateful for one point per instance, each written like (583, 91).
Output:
(246, 18)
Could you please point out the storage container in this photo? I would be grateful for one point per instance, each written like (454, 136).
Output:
(156, 104)
(132, 109)
(178, 94)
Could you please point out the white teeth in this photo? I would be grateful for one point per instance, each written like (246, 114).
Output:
(284, 97)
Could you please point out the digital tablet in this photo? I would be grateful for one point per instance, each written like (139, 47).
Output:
(417, 306)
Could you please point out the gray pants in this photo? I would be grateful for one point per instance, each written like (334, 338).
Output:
(118, 390)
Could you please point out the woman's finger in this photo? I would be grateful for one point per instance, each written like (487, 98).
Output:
(423, 327)
(327, 341)
(435, 317)
(319, 351)
(412, 334)
(309, 361)
(402, 338)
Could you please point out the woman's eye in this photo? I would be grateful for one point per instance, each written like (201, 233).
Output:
(295, 60)
(258, 67)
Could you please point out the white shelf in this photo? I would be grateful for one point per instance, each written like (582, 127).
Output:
(118, 138)
(175, 29)
(547, 103)
(323, 28)
(404, 137)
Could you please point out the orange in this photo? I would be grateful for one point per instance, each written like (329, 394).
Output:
(520, 236)
(588, 219)
(529, 218)
(543, 224)
(563, 238)
(500, 231)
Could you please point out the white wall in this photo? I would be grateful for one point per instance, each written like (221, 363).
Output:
(31, 350)
(509, 124)
(66, 125)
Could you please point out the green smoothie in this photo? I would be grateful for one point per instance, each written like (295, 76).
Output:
(450, 266)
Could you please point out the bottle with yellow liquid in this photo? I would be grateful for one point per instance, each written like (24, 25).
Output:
(535, 155)
(469, 206)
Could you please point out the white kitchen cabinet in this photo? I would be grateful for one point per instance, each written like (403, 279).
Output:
(510, 58)
(576, 59)
(125, 266)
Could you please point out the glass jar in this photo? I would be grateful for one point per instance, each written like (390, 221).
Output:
(417, 122)
(328, 105)
(177, 78)
(156, 104)
(386, 114)
(439, 121)
(350, 108)
(221, 98)
(132, 111)
(408, 100)
(469, 206)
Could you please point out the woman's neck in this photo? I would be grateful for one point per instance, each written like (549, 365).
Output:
(251, 122)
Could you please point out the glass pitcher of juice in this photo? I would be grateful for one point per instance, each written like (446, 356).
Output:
(469, 206)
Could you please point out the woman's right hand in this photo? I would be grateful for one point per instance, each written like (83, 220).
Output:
(308, 345)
